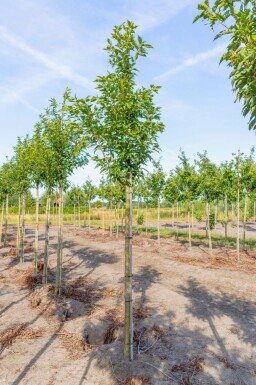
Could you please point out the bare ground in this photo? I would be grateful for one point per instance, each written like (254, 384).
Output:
(195, 318)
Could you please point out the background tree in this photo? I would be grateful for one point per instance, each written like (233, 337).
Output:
(90, 193)
(7, 181)
(156, 183)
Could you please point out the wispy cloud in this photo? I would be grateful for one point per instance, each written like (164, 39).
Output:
(60, 70)
(192, 61)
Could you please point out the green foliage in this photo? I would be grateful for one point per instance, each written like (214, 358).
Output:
(140, 219)
(236, 19)
(122, 122)
(211, 221)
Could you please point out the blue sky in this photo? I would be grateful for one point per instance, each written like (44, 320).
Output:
(48, 45)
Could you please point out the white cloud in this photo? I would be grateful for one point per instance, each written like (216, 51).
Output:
(193, 61)
(61, 70)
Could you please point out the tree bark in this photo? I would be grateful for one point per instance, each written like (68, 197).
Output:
(128, 327)
(22, 240)
(177, 218)
(103, 218)
(226, 216)
(89, 216)
(60, 242)
(209, 229)
(237, 226)
(158, 220)
(46, 242)
(6, 220)
(18, 232)
(244, 221)
(2, 220)
(36, 229)
(189, 228)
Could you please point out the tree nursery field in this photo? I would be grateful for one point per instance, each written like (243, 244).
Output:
(194, 316)
(148, 278)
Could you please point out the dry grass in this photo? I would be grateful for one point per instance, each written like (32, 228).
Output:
(29, 279)
(135, 381)
(190, 367)
(75, 345)
(19, 331)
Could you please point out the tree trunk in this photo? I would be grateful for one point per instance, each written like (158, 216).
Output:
(208, 227)
(6, 220)
(117, 224)
(192, 221)
(36, 229)
(103, 218)
(177, 223)
(110, 217)
(237, 226)
(89, 216)
(74, 216)
(46, 242)
(18, 232)
(172, 216)
(158, 220)
(146, 221)
(226, 216)
(122, 217)
(128, 326)
(244, 221)
(2, 220)
(79, 216)
(60, 242)
(22, 240)
(254, 212)
(215, 216)
(189, 229)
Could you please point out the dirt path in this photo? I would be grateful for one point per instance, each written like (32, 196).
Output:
(195, 319)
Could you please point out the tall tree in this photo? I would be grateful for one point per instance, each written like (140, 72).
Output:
(123, 124)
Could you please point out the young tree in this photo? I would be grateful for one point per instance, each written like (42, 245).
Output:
(156, 183)
(236, 19)
(90, 192)
(188, 184)
(123, 125)
(7, 181)
(63, 142)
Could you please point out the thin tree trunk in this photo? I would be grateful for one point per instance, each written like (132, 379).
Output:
(172, 216)
(158, 220)
(36, 229)
(46, 242)
(209, 229)
(60, 242)
(2, 220)
(237, 226)
(244, 221)
(192, 221)
(122, 217)
(254, 212)
(117, 224)
(110, 217)
(103, 218)
(226, 216)
(6, 220)
(74, 216)
(215, 216)
(146, 220)
(22, 240)
(189, 228)
(18, 232)
(177, 218)
(128, 326)
(79, 216)
(89, 216)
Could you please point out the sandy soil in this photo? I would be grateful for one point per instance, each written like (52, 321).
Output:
(195, 318)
